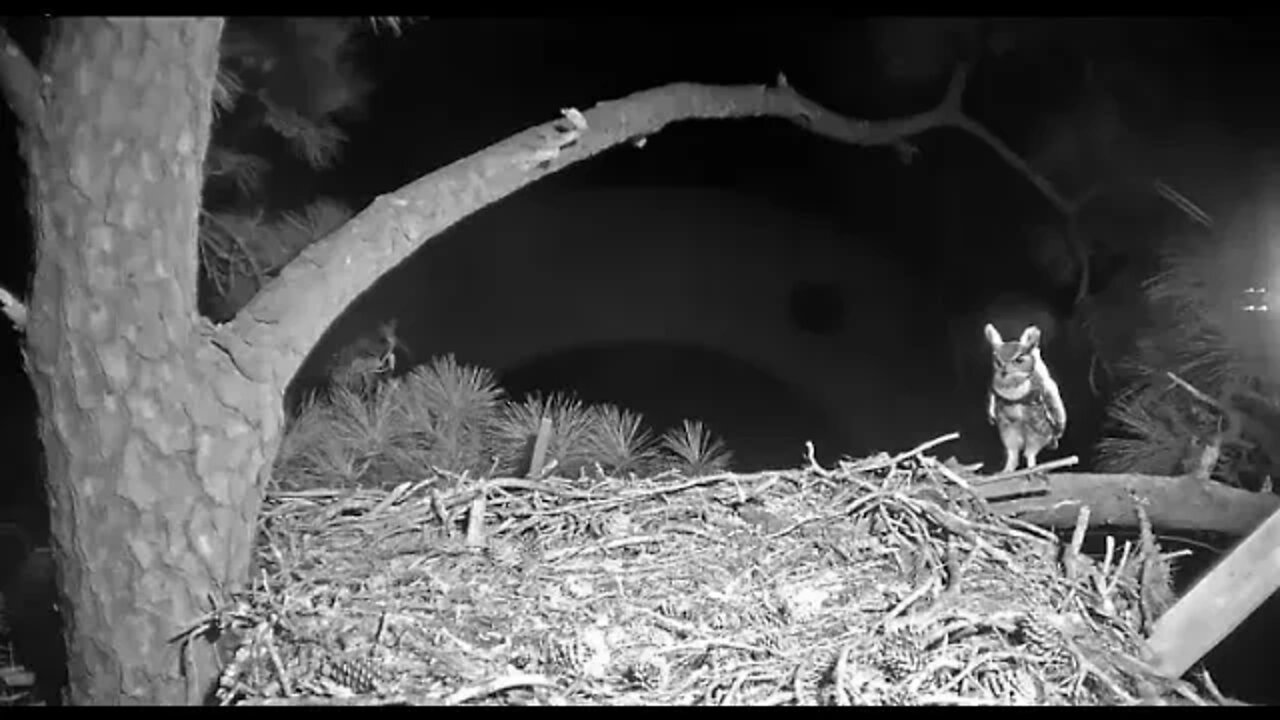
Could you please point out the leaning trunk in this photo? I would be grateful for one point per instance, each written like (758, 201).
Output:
(153, 440)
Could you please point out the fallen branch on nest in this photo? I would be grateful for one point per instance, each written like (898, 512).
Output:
(1053, 499)
(1177, 503)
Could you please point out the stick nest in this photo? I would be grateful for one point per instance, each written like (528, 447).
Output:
(885, 581)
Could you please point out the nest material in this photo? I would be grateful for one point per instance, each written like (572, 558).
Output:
(882, 582)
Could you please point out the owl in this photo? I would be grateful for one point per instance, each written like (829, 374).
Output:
(1023, 402)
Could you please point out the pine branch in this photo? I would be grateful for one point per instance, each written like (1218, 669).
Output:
(243, 169)
(572, 422)
(222, 264)
(316, 220)
(337, 87)
(695, 450)
(317, 142)
(239, 232)
(620, 442)
(240, 253)
(227, 89)
(396, 24)
(452, 409)
(1209, 342)
(1144, 436)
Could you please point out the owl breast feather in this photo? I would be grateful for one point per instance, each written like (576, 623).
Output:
(1030, 412)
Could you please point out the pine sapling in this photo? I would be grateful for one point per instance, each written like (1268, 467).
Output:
(571, 428)
(620, 443)
(450, 411)
(693, 450)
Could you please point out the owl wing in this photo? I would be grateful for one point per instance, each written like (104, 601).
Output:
(1054, 406)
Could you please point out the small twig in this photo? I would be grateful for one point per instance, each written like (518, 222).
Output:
(893, 461)
(1120, 566)
(735, 687)
(211, 247)
(1212, 450)
(540, 448)
(1081, 528)
(842, 672)
(708, 643)
(475, 519)
(813, 461)
(955, 566)
(1032, 529)
(909, 600)
(1181, 202)
(497, 685)
(1042, 467)
(277, 664)
(206, 262)
(1214, 692)
(1072, 563)
(442, 513)
(948, 474)
(254, 268)
(1100, 580)
(926, 446)
(1196, 393)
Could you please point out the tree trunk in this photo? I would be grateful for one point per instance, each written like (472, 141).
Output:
(153, 439)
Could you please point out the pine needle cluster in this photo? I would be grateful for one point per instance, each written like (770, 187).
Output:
(370, 427)
(1203, 377)
(245, 238)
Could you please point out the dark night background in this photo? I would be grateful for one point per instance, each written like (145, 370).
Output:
(681, 279)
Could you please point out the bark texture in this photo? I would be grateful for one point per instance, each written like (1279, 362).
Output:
(154, 440)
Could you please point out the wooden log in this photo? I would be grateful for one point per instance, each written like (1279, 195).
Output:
(1219, 602)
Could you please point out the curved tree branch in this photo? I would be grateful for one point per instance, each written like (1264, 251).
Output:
(1041, 183)
(1068, 208)
(272, 335)
(819, 120)
(20, 82)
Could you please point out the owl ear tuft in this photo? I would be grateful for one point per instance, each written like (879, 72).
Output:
(1030, 337)
(993, 335)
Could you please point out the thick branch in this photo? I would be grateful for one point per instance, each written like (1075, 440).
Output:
(19, 81)
(271, 336)
(1172, 503)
